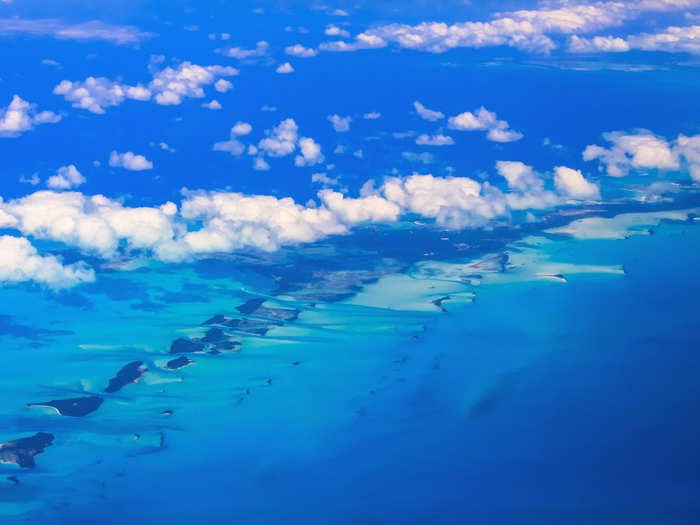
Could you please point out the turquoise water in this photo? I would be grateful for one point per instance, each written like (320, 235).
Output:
(530, 400)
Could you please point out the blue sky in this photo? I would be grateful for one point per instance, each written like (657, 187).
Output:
(194, 137)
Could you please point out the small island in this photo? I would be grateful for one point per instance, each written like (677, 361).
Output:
(21, 452)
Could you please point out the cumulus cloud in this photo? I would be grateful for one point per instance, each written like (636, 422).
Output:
(284, 68)
(129, 161)
(527, 187)
(300, 51)
(281, 140)
(66, 178)
(261, 49)
(340, 124)
(94, 30)
(484, 120)
(372, 115)
(333, 30)
(20, 262)
(672, 40)
(213, 104)
(171, 85)
(427, 114)
(527, 30)
(642, 150)
(223, 85)
(20, 116)
(572, 184)
(434, 140)
(168, 87)
(310, 153)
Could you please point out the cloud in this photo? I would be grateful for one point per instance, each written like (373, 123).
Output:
(527, 187)
(285, 68)
(572, 184)
(172, 85)
(300, 51)
(20, 116)
(96, 94)
(129, 161)
(94, 224)
(94, 30)
(526, 30)
(322, 178)
(372, 208)
(281, 140)
(168, 87)
(66, 178)
(260, 164)
(310, 153)
(214, 104)
(261, 49)
(427, 114)
(641, 150)
(434, 140)
(482, 120)
(372, 115)
(672, 40)
(340, 124)
(333, 30)
(20, 262)
(223, 85)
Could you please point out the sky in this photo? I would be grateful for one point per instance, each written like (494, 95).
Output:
(176, 131)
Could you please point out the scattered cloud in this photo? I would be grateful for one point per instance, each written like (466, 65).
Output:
(66, 178)
(572, 184)
(129, 161)
(340, 124)
(94, 30)
(168, 87)
(20, 262)
(300, 51)
(285, 68)
(214, 104)
(434, 140)
(333, 30)
(672, 40)
(261, 49)
(222, 85)
(484, 120)
(20, 116)
(427, 114)
(372, 115)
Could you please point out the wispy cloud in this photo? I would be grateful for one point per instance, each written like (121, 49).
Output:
(93, 30)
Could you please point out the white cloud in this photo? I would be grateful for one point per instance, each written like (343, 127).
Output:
(214, 104)
(285, 68)
(94, 30)
(641, 150)
(241, 128)
(33, 180)
(268, 108)
(322, 178)
(165, 147)
(482, 119)
(572, 184)
(169, 86)
(95, 94)
(261, 49)
(599, 43)
(333, 30)
(172, 85)
(434, 140)
(300, 51)
(223, 85)
(372, 115)
(260, 164)
(66, 178)
(281, 140)
(689, 149)
(310, 153)
(525, 29)
(372, 208)
(129, 161)
(20, 262)
(340, 124)
(427, 114)
(20, 116)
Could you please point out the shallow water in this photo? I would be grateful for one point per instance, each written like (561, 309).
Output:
(530, 400)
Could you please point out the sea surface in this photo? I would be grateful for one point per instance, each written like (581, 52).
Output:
(535, 377)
